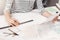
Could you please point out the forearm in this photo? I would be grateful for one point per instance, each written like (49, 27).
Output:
(7, 8)
(7, 14)
(50, 16)
(46, 14)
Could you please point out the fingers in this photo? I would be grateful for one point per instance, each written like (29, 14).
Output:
(15, 23)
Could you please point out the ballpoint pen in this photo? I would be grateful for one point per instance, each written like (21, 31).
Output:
(20, 24)
(12, 33)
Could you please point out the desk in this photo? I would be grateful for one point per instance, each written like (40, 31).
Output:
(28, 31)
(48, 30)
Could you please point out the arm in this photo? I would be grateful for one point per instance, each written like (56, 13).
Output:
(50, 16)
(7, 13)
(7, 8)
(39, 4)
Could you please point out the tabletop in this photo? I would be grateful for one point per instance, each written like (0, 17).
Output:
(38, 29)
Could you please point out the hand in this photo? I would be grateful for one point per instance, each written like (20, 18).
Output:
(13, 22)
(55, 19)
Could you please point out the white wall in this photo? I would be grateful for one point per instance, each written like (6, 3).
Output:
(59, 1)
(2, 4)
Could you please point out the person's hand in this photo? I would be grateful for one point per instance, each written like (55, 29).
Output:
(13, 22)
(51, 17)
(55, 19)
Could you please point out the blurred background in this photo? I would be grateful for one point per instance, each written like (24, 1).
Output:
(48, 3)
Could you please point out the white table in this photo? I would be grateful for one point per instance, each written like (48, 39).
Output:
(48, 30)
(26, 31)
(29, 31)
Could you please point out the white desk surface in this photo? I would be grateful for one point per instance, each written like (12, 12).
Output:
(29, 31)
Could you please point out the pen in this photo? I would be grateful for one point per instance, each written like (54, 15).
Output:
(13, 32)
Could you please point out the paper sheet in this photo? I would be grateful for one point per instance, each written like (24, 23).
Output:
(26, 31)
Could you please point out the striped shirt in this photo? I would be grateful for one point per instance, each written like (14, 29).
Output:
(22, 5)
